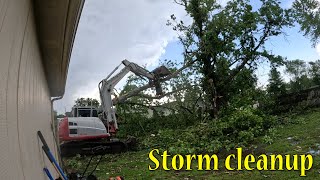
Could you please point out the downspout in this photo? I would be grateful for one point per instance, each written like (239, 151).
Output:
(54, 128)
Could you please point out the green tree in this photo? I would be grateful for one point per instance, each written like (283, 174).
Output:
(314, 72)
(134, 104)
(298, 71)
(276, 84)
(296, 68)
(178, 109)
(308, 16)
(180, 91)
(87, 102)
(228, 42)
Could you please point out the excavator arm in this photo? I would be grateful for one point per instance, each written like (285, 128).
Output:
(106, 87)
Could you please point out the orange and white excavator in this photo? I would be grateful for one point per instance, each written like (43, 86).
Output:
(86, 132)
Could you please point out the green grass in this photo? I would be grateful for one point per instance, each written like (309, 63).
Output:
(297, 138)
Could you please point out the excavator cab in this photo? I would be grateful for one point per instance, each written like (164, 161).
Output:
(87, 111)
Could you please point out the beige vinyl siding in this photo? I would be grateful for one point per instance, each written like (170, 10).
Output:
(25, 105)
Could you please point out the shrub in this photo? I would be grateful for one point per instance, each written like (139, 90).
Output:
(237, 129)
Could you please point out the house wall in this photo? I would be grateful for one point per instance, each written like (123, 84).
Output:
(25, 105)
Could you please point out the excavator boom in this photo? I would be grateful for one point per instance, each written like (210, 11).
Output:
(107, 85)
(83, 138)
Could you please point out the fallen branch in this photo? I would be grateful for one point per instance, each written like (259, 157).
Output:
(136, 91)
(160, 96)
(152, 107)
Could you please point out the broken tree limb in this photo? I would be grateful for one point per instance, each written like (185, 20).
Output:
(136, 91)
(152, 107)
(172, 75)
(160, 96)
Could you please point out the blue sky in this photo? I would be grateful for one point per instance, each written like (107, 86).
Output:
(139, 33)
(292, 46)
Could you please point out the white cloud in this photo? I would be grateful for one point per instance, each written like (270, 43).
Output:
(318, 49)
(110, 31)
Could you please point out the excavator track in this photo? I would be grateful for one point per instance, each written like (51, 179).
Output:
(69, 149)
(73, 148)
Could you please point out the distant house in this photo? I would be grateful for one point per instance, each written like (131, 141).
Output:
(36, 38)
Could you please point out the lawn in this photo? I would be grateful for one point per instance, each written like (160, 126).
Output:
(300, 137)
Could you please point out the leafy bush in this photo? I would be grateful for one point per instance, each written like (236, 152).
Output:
(138, 125)
(236, 130)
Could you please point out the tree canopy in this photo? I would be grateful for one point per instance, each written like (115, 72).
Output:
(228, 43)
(87, 102)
